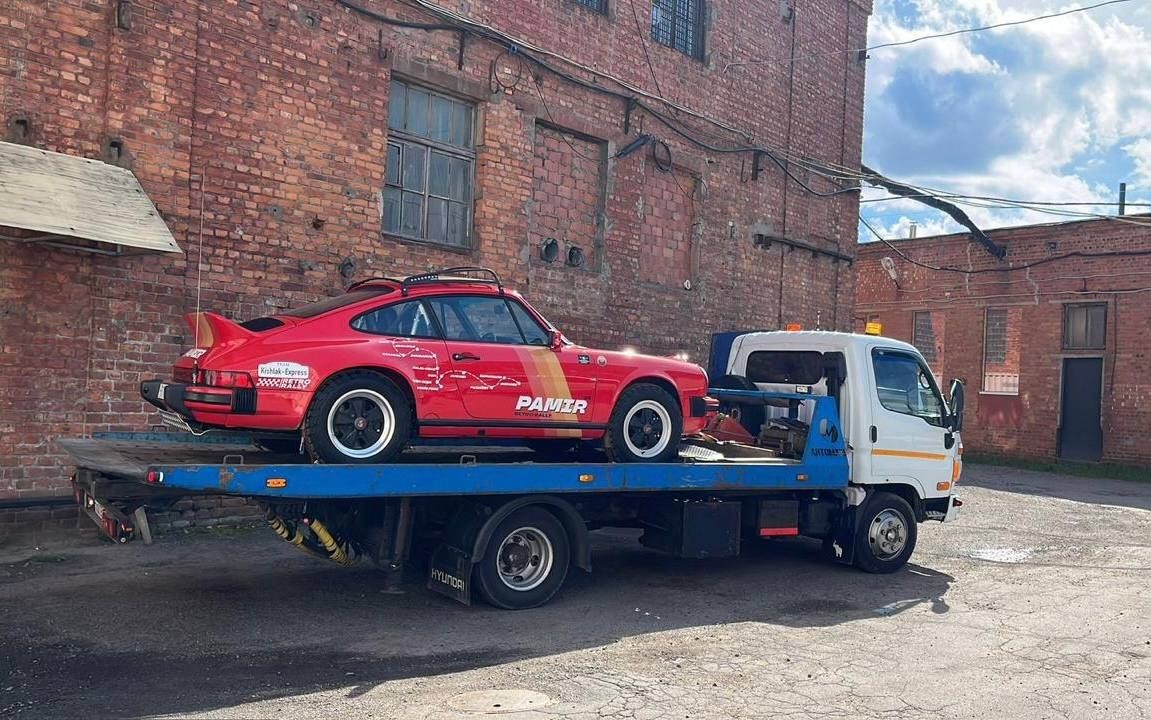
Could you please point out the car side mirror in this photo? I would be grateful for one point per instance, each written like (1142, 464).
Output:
(556, 340)
(958, 401)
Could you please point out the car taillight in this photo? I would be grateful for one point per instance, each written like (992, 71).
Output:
(225, 378)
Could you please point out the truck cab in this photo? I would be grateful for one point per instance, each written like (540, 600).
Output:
(900, 431)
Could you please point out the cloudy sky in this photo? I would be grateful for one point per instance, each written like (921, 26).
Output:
(1054, 110)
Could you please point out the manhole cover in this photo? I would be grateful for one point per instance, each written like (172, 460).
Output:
(496, 702)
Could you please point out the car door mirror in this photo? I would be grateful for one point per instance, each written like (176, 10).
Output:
(958, 401)
(555, 340)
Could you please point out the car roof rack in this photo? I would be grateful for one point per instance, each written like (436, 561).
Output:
(366, 281)
(451, 275)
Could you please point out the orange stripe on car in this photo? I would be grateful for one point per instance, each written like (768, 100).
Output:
(547, 379)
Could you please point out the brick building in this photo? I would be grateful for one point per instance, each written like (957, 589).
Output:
(292, 147)
(1052, 343)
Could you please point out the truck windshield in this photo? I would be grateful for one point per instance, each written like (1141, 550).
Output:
(906, 386)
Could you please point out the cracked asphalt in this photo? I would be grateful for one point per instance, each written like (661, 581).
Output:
(1034, 604)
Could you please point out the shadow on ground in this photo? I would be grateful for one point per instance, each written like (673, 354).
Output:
(1099, 491)
(187, 626)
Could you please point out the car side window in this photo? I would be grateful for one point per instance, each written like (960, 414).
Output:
(533, 332)
(906, 386)
(478, 319)
(405, 319)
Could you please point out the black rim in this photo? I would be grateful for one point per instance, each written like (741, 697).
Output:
(645, 429)
(358, 423)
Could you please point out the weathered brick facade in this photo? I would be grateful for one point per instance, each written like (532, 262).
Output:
(273, 116)
(1005, 334)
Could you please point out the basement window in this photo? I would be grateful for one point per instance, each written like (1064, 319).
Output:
(430, 167)
(678, 24)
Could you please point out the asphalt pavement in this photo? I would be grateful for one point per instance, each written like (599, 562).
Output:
(1034, 604)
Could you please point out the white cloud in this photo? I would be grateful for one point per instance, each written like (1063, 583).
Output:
(1055, 110)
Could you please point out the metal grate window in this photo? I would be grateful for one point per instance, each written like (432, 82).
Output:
(430, 167)
(678, 24)
(923, 337)
(600, 6)
(1001, 351)
(1085, 327)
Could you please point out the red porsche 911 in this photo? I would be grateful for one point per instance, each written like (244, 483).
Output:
(449, 354)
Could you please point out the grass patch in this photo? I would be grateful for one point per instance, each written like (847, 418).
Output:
(1088, 470)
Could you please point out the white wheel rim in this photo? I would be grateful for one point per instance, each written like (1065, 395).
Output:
(643, 437)
(361, 423)
(525, 559)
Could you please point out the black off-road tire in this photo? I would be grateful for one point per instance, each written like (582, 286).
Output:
(358, 392)
(521, 529)
(645, 399)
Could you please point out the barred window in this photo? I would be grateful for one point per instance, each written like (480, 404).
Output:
(923, 337)
(678, 24)
(431, 158)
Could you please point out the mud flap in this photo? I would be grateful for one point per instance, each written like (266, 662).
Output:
(840, 545)
(450, 573)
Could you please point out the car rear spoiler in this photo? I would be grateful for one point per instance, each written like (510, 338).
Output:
(212, 329)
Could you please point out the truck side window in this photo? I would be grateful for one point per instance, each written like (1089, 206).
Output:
(790, 367)
(906, 386)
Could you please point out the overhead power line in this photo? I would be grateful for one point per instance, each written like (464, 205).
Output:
(922, 38)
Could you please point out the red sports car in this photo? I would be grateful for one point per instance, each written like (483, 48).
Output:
(440, 355)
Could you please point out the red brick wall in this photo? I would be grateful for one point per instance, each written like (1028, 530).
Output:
(273, 116)
(1026, 424)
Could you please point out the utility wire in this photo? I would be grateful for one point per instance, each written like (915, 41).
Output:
(922, 38)
(1013, 268)
(1017, 202)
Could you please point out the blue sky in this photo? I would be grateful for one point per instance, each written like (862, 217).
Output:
(1055, 110)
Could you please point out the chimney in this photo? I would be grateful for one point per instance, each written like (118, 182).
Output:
(912, 231)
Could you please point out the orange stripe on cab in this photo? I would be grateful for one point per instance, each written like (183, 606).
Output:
(907, 454)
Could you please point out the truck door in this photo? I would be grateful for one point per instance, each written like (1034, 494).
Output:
(908, 440)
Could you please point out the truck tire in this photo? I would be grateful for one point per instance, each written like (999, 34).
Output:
(359, 417)
(525, 562)
(751, 417)
(645, 426)
(886, 534)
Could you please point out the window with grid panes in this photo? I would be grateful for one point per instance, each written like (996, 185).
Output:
(923, 336)
(431, 157)
(678, 24)
(599, 6)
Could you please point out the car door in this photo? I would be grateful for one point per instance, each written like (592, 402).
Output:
(504, 367)
(908, 439)
(403, 336)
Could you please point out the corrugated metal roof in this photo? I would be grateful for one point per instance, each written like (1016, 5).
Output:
(63, 199)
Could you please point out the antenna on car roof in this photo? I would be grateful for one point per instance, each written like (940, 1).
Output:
(452, 275)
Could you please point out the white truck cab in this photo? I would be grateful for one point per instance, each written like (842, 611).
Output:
(900, 431)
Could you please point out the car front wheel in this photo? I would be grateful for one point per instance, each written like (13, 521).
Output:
(359, 417)
(645, 426)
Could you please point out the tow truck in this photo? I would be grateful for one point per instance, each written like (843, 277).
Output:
(844, 438)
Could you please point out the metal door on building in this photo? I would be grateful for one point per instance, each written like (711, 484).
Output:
(1080, 415)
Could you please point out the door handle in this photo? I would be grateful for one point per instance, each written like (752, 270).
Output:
(464, 356)
(874, 433)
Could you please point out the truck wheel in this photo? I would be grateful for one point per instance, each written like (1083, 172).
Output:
(886, 535)
(525, 562)
(360, 417)
(645, 426)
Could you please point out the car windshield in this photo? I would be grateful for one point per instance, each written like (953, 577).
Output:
(335, 303)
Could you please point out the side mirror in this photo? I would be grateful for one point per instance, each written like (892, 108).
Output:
(957, 403)
(556, 340)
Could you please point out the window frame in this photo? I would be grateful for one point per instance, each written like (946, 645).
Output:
(924, 369)
(1001, 358)
(402, 139)
(599, 7)
(466, 322)
(433, 321)
(915, 338)
(1086, 307)
(698, 31)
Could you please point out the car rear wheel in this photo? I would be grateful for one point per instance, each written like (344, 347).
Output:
(359, 417)
(645, 426)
